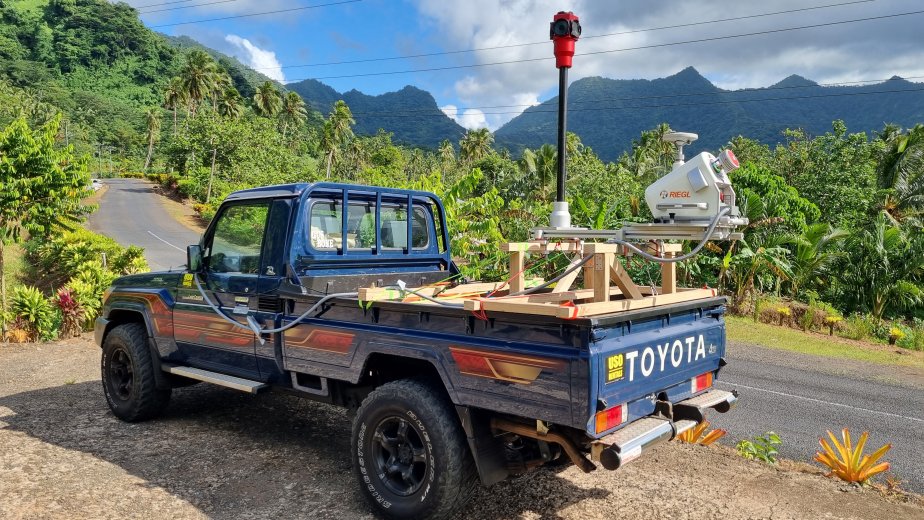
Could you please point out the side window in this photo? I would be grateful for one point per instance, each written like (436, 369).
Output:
(238, 239)
(325, 225)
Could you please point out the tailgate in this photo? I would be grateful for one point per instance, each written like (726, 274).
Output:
(633, 364)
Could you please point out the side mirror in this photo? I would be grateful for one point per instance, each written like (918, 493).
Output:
(194, 258)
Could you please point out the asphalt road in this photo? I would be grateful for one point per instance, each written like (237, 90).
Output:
(130, 213)
(797, 396)
(801, 396)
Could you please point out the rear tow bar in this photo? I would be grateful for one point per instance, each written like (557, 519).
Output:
(621, 447)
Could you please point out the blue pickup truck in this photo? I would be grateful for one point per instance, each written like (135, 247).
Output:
(441, 396)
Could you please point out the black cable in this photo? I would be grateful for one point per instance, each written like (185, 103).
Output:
(187, 6)
(249, 15)
(546, 42)
(163, 3)
(637, 107)
(756, 90)
(625, 49)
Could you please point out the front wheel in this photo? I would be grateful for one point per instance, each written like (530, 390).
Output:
(128, 375)
(409, 454)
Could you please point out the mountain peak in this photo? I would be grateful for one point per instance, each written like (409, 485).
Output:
(690, 77)
(795, 80)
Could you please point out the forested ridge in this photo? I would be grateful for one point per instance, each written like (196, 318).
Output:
(836, 212)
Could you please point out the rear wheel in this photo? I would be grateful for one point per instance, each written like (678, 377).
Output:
(409, 454)
(128, 375)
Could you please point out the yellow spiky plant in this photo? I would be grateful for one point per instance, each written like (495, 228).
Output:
(697, 435)
(847, 462)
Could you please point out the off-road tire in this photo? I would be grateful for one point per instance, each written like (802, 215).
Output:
(448, 475)
(128, 375)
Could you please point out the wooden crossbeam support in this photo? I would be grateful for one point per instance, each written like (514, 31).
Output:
(623, 280)
(565, 283)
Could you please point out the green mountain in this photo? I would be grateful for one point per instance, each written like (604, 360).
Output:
(411, 114)
(608, 114)
(98, 64)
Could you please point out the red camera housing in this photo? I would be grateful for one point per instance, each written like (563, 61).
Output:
(564, 30)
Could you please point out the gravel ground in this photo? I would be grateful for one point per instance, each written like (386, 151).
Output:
(221, 454)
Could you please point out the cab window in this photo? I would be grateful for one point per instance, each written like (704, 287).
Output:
(394, 227)
(238, 239)
(326, 226)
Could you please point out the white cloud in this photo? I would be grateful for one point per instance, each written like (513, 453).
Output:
(261, 60)
(851, 51)
(470, 118)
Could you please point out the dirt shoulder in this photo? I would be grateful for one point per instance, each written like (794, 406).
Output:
(219, 453)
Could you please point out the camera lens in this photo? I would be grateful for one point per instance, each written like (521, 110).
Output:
(561, 28)
(576, 29)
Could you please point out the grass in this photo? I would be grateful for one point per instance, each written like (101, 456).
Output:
(745, 330)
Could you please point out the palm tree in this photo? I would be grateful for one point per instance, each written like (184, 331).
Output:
(901, 174)
(199, 77)
(546, 165)
(229, 104)
(337, 130)
(294, 111)
(475, 145)
(814, 253)
(267, 100)
(152, 118)
(174, 97)
(881, 268)
(447, 153)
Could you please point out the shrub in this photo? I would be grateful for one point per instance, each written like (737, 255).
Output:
(848, 462)
(831, 321)
(88, 286)
(131, 175)
(896, 334)
(785, 313)
(859, 326)
(35, 314)
(54, 261)
(916, 339)
(72, 314)
(698, 435)
(763, 448)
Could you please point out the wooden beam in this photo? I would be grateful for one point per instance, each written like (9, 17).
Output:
(517, 276)
(540, 247)
(565, 283)
(623, 280)
(372, 294)
(601, 276)
(597, 308)
(669, 275)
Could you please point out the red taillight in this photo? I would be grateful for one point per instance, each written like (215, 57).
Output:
(611, 418)
(701, 382)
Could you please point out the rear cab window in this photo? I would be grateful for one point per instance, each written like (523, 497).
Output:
(326, 226)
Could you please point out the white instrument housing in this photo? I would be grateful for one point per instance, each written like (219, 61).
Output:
(696, 190)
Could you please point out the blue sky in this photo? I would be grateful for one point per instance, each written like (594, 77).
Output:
(281, 45)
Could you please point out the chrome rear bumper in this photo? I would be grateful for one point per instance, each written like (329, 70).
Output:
(627, 444)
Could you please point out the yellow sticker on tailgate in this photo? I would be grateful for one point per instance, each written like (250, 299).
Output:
(615, 366)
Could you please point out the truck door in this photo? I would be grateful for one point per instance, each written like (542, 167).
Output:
(231, 250)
